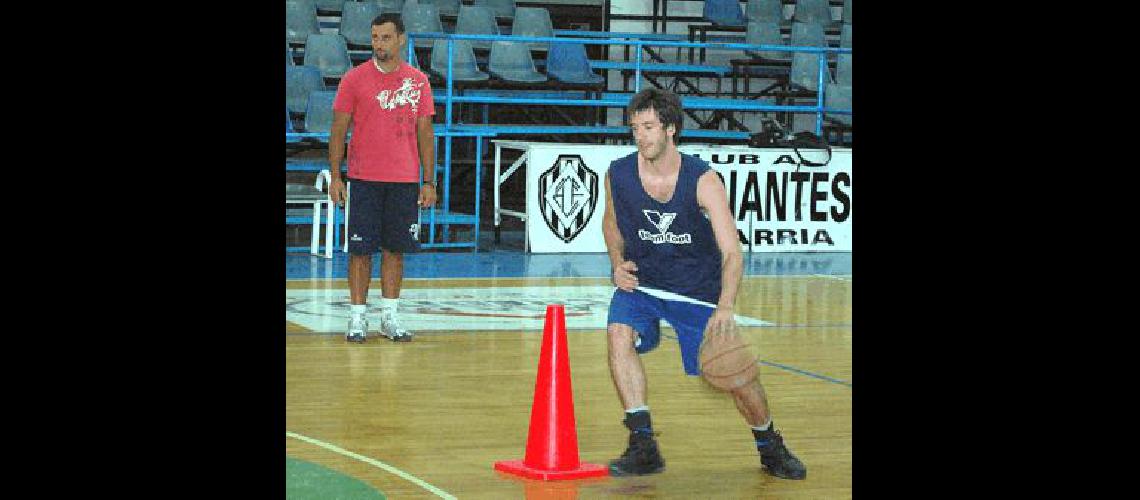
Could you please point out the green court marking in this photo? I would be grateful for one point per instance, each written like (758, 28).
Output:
(376, 463)
(305, 480)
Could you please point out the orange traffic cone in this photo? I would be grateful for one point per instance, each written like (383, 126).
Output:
(552, 443)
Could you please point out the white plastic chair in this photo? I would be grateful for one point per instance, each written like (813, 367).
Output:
(298, 194)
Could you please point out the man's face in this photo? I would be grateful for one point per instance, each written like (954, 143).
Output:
(652, 138)
(386, 42)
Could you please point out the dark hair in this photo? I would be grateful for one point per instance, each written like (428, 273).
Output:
(665, 103)
(390, 17)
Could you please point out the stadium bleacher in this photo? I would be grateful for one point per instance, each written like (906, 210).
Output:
(522, 77)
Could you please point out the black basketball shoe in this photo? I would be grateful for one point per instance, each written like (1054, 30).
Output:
(776, 458)
(641, 457)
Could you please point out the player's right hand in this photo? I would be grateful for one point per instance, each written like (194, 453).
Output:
(336, 191)
(624, 277)
(722, 322)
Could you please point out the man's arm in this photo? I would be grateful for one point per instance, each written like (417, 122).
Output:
(711, 196)
(622, 270)
(336, 154)
(425, 138)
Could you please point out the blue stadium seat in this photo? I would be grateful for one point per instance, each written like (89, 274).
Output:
(533, 21)
(765, 33)
(477, 21)
(446, 7)
(724, 13)
(808, 35)
(805, 72)
(812, 11)
(319, 114)
(846, 11)
(396, 6)
(843, 70)
(300, 20)
(356, 22)
(328, 53)
(299, 82)
(503, 9)
(421, 19)
(845, 36)
(511, 61)
(567, 62)
(464, 68)
(330, 5)
(838, 97)
(764, 10)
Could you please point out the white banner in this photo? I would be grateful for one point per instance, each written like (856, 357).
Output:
(779, 204)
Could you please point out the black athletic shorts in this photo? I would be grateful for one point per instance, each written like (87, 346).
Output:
(382, 215)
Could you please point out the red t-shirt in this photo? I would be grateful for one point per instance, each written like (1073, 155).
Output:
(384, 108)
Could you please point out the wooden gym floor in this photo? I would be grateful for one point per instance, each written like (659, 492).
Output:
(429, 418)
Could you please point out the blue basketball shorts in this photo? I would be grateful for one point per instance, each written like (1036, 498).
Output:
(644, 313)
(382, 215)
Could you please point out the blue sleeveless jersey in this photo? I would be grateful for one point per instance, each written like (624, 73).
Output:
(672, 243)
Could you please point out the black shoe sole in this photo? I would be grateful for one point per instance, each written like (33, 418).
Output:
(406, 338)
(356, 339)
(614, 471)
(785, 476)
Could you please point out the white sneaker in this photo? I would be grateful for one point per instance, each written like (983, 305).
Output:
(390, 327)
(357, 329)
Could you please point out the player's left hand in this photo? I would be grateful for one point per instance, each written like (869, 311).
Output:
(722, 322)
(427, 196)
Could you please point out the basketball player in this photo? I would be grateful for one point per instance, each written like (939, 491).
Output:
(389, 104)
(675, 255)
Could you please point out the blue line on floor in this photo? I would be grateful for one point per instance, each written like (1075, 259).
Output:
(788, 368)
(805, 372)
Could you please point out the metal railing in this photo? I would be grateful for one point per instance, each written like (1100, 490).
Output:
(729, 104)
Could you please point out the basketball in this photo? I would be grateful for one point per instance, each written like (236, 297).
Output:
(727, 362)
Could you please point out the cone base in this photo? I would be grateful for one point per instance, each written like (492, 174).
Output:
(518, 468)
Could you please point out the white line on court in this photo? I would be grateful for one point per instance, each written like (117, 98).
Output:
(404, 475)
(546, 281)
(833, 276)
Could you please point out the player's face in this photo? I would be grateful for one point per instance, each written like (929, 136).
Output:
(386, 42)
(652, 138)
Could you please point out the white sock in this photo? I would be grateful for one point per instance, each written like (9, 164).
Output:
(389, 304)
(358, 310)
(637, 409)
(765, 426)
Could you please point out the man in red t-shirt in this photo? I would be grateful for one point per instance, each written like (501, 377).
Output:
(389, 104)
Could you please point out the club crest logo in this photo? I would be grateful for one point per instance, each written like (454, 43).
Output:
(567, 196)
